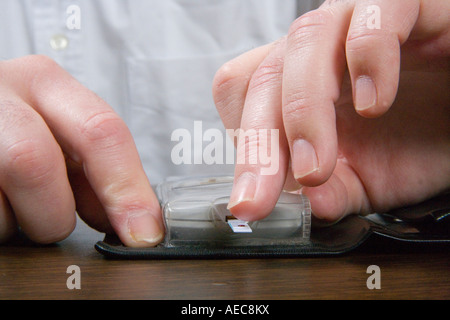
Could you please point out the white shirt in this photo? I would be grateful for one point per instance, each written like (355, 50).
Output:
(153, 61)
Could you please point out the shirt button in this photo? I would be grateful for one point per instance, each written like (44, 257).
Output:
(59, 42)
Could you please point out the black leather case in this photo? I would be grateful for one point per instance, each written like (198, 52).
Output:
(425, 224)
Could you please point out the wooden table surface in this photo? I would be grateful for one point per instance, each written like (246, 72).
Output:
(28, 272)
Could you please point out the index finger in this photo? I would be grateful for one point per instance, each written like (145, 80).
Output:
(93, 135)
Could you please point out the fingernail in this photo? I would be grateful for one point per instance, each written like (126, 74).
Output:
(365, 93)
(304, 160)
(243, 190)
(143, 227)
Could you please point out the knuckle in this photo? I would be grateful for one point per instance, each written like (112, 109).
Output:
(33, 66)
(309, 23)
(228, 78)
(33, 74)
(105, 129)
(268, 74)
(40, 65)
(229, 87)
(41, 72)
(296, 108)
(357, 40)
(226, 74)
(367, 40)
(248, 146)
(41, 61)
(25, 161)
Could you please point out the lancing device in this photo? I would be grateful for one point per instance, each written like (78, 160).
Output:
(195, 214)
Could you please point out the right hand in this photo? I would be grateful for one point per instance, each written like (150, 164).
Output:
(64, 150)
(362, 113)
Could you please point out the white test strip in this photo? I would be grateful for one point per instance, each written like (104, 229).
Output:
(239, 226)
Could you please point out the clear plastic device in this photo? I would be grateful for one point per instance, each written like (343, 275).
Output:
(195, 214)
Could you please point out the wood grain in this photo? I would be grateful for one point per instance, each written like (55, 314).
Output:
(29, 272)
